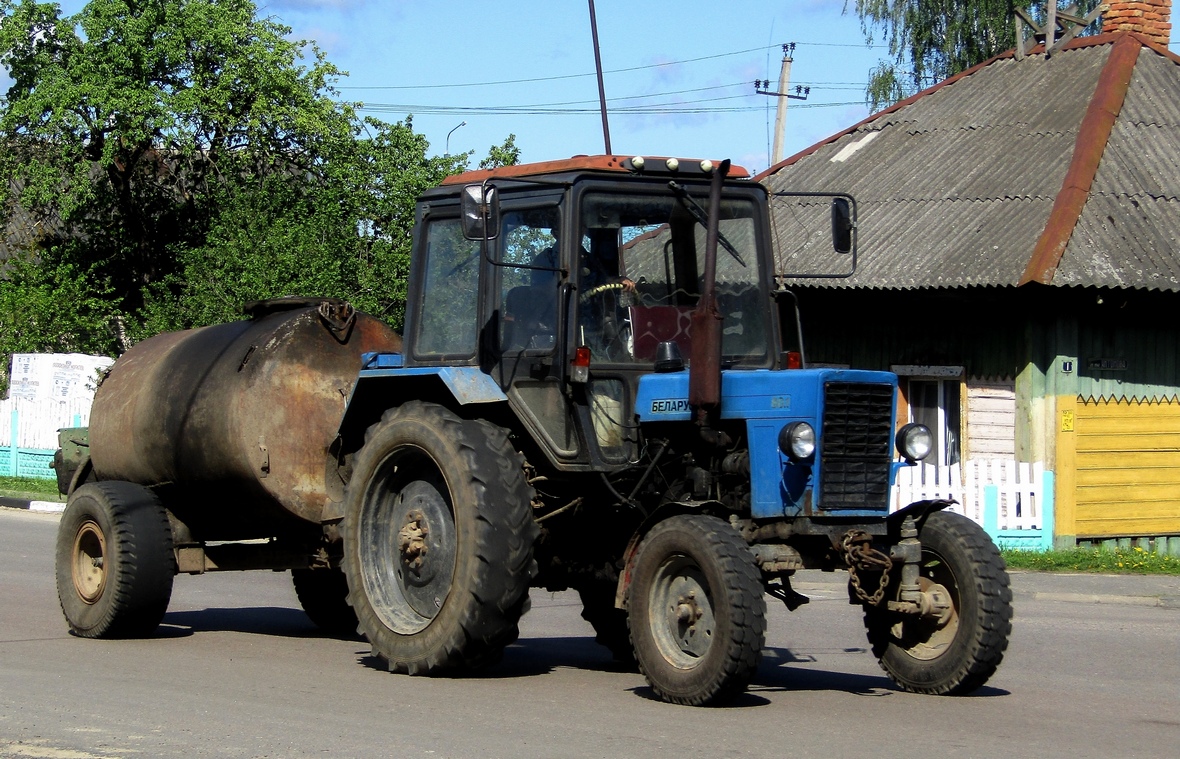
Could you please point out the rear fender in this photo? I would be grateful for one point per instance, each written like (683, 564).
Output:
(378, 390)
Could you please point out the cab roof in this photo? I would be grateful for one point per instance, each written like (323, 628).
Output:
(640, 165)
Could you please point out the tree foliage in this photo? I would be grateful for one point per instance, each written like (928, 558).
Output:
(181, 157)
(931, 40)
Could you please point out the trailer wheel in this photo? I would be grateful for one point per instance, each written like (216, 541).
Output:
(114, 561)
(438, 540)
(609, 623)
(697, 615)
(323, 594)
(957, 654)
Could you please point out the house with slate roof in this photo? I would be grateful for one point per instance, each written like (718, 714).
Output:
(1019, 267)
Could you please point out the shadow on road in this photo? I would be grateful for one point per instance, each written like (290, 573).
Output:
(257, 620)
(775, 675)
(530, 657)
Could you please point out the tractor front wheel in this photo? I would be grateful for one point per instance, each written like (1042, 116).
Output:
(957, 652)
(697, 615)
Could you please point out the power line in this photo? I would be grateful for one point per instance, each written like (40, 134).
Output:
(653, 110)
(581, 76)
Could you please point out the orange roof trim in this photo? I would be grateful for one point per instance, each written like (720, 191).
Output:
(577, 163)
(1093, 134)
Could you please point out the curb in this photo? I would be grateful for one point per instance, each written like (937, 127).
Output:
(47, 507)
(834, 590)
(1165, 602)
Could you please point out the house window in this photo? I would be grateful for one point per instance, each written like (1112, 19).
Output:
(932, 395)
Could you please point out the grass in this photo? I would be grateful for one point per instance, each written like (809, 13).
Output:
(29, 488)
(1098, 560)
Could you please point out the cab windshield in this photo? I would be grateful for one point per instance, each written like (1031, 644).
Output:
(641, 273)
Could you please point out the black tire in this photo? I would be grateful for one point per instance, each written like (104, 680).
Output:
(323, 594)
(697, 613)
(609, 623)
(453, 493)
(959, 656)
(114, 561)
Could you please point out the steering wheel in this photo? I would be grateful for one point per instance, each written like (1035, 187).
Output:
(598, 290)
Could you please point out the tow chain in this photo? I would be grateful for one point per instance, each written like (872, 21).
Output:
(860, 556)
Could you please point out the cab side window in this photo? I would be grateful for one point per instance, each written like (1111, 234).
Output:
(447, 322)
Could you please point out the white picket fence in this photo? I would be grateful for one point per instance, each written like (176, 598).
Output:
(1013, 501)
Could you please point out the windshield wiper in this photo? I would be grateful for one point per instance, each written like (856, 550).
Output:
(702, 218)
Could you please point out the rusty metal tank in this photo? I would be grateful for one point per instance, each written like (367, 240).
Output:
(232, 423)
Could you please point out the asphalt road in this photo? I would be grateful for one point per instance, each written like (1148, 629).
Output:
(236, 670)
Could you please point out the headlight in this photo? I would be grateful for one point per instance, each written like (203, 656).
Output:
(914, 442)
(797, 441)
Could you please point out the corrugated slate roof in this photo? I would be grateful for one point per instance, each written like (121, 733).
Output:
(956, 186)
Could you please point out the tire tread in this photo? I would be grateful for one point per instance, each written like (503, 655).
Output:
(747, 632)
(984, 649)
(503, 561)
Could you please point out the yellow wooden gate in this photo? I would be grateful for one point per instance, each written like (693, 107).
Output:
(1127, 465)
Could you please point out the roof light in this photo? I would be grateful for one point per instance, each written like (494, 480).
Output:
(707, 166)
(672, 164)
(637, 163)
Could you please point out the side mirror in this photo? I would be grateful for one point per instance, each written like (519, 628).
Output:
(842, 225)
(480, 206)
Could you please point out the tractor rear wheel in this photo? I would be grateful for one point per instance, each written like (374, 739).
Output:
(609, 623)
(323, 594)
(439, 535)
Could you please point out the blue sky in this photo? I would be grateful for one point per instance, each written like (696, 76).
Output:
(409, 56)
(526, 67)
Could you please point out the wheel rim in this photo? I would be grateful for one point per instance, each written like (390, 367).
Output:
(681, 612)
(89, 562)
(407, 542)
(928, 639)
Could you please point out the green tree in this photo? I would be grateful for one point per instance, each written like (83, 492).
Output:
(125, 122)
(346, 234)
(931, 40)
(504, 154)
(182, 157)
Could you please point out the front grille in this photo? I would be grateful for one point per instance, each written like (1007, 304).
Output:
(856, 446)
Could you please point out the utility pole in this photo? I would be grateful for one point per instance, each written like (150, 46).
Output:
(784, 84)
(780, 116)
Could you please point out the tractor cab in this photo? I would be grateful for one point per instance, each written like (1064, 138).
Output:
(568, 282)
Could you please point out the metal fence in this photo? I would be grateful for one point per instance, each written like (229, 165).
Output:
(28, 433)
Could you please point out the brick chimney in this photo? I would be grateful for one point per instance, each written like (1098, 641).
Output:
(1151, 18)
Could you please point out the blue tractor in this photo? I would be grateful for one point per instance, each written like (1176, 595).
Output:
(593, 394)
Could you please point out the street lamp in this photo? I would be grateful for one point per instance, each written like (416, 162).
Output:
(448, 149)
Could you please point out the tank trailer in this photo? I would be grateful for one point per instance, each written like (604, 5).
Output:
(590, 394)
